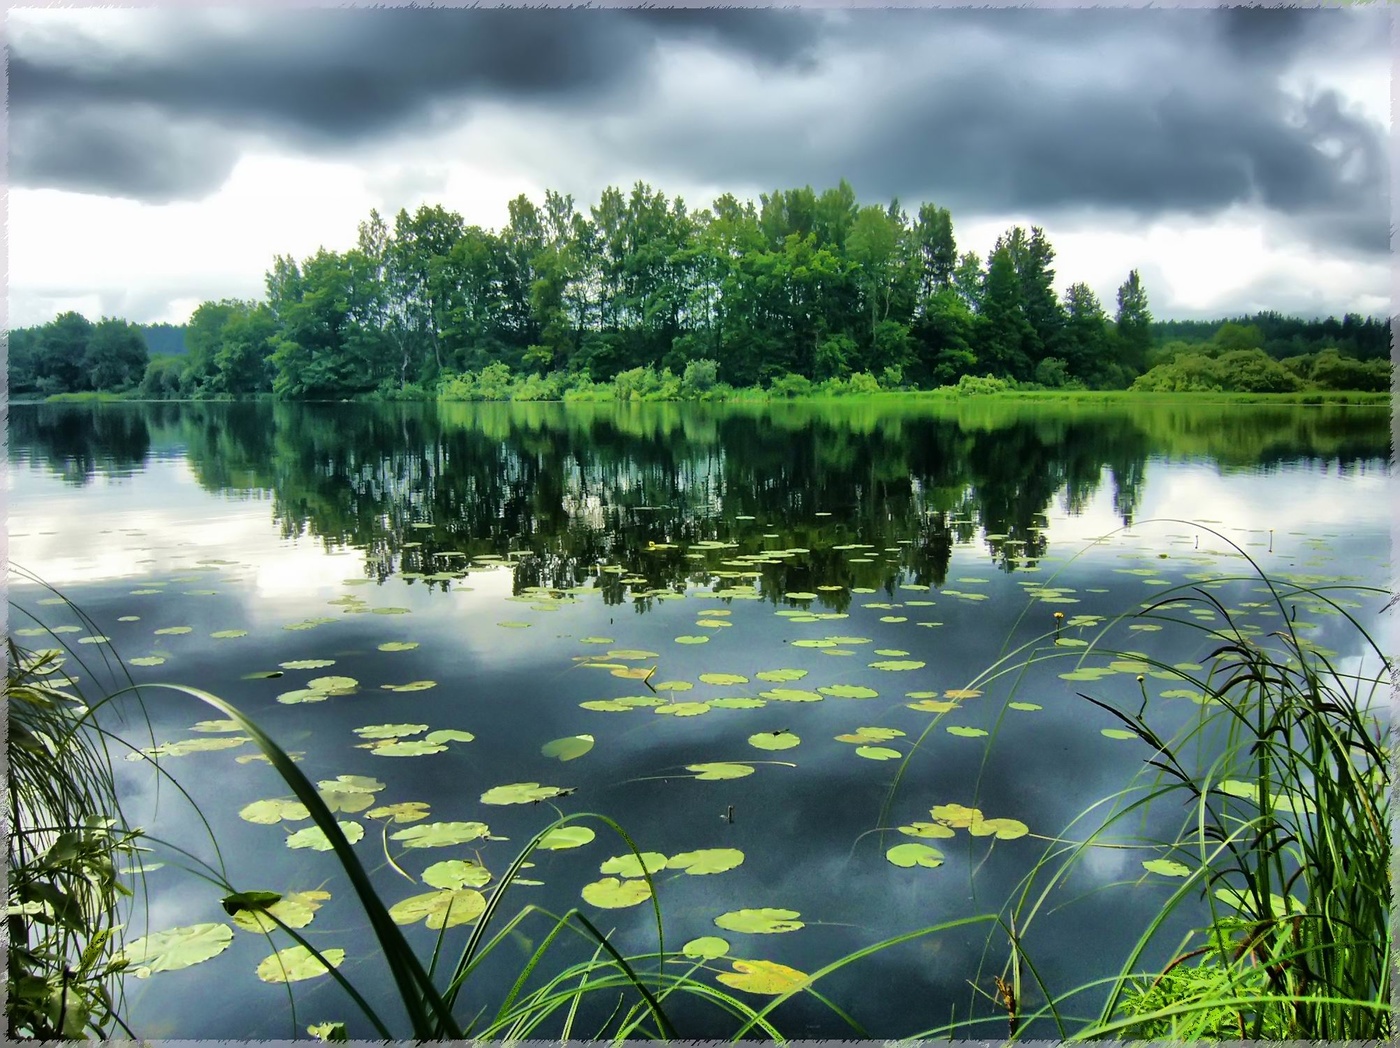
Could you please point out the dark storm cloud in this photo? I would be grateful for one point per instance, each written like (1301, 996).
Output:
(321, 78)
(1144, 113)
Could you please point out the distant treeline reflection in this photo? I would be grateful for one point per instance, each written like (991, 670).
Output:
(584, 485)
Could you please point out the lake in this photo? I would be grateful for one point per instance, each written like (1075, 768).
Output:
(748, 630)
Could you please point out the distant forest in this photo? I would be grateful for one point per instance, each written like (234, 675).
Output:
(639, 296)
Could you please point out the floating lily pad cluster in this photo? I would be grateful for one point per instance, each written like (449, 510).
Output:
(627, 884)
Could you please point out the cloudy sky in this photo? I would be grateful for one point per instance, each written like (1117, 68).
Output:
(1238, 158)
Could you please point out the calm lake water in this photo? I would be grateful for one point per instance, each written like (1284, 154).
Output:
(817, 591)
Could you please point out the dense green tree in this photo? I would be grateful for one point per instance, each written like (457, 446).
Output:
(1133, 324)
(1005, 334)
(968, 277)
(116, 355)
(63, 345)
(937, 252)
(1086, 348)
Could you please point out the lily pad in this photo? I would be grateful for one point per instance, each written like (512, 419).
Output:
(739, 702)
(962, 693)
(630, 865)
(1002, 829)
(305, 664)
(683, 709)
(723, 678)
(849, 691)
(216, 726)
(294, 909)
(1117, 733)
(898, 664)
(440, 909)
(720, 770)
(228, 634)
(927, 829)
(911, 855)
(296, 963)
(965, 732)
(1166, 867)
(398, 645)
(333, 685)
(764, 921)
(442, 735)
(413, 685)
(519, 793)
(314, 837)
(774, 740)
(404, 811)
(1024, 706)
(612, 894)
(702, 639)
(791, 695)
(389, 731)
(146, 660)
(932, 706)
(271, 812)
(706, 860)
(408, 748)
(562, 838)
(877, 753)
(451, 874)
(440, 834)
(705, 948)
(768, 978)
(177, 948)
(781, 675)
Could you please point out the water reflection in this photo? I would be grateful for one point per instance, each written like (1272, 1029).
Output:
(591, 484)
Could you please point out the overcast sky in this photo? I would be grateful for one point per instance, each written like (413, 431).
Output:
(1238, 158)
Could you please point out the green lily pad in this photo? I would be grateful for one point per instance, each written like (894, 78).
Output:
(720, 770)
(389, 731)
(672, 685)
(877, 753)
(791, 695)
(1024, 706)
(965, 732)
(186, 746)
(398, 645)
(630, 655)
(177, 948)
(351, 784)
(1002, 829)
(296, 963)
(340, 800)
(569, 748)
(849, 691)
(216, 726)
(1166, 867)
(129, 618)
(702, 639)
(271, 812)
(452, 874)
(333, 685)
(765, 921)
(404, 811)
(314, 837)
(596, 640)
(780, 676)
(440, 834)
(898, 664)
(562, 838)
(295, 909)
(705, 948)
(391, 611)
(441, 735)
(738, 702)
(706, 860)
(408, 748)
(440, 909)
(519, 793)
(774, 740)
(927, 829)
(1117, 733)
(768, 978)
(306, 664)
(413, 685)
(630, 865)
(146, 660)
(683, 709)
(723, 678)
(228, 634)
(612, 894)
(911, 855)
(932, 706)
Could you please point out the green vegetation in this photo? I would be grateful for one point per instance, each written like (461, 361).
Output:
(803, 294)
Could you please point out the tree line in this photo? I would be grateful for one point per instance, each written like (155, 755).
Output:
(802, 289)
